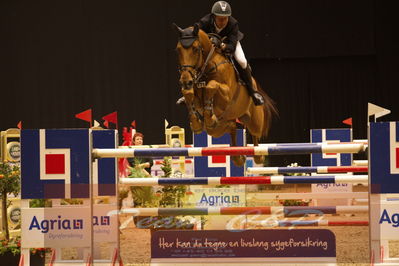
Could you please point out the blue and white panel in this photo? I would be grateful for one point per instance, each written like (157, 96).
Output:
(384, 157)
(104, 169)
(55, 163)
(220, 165)
(331, 135)
(384, 188)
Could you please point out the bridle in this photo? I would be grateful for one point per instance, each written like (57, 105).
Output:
(197, 71)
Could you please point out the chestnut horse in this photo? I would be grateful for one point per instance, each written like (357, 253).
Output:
(213, 94)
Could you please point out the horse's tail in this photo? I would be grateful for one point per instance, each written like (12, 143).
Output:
(270, 110)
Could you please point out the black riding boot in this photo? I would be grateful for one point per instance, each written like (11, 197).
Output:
(247, 78)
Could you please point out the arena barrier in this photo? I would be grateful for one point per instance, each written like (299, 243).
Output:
(244, 180)
(309, 169)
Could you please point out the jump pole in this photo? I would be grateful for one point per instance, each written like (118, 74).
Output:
(243, 180)
(307, 169)
(287, 211)
(300, 223)
(267, 150)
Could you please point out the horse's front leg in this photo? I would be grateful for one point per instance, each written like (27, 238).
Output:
(194, 117)
(238, 160)
(259, 159)
(213, 87)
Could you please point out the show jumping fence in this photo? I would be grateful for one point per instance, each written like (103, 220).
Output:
(274, 149)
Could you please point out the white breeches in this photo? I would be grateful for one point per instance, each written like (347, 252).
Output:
(240, 56)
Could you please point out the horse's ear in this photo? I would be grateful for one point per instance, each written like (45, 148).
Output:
(195, 29)
(177, 29)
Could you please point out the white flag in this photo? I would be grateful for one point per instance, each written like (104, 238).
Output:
(166, 123)
(377, 111)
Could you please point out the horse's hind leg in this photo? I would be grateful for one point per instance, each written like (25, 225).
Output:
(238, 160)
(259, 159)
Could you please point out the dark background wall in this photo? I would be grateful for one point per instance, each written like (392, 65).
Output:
(320, 60)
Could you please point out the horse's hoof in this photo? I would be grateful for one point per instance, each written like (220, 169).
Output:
(211, 125)
(181, 101)
(259, 159)
(238, 160)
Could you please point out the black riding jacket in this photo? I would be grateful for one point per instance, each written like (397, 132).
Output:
(231, 31)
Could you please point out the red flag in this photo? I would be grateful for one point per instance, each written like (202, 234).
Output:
(112, 117)
(106, 124)
(85, 115)
(134, 124)
(348, 121)
(19, 125)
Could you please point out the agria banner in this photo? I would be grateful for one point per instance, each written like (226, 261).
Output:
(57, 164)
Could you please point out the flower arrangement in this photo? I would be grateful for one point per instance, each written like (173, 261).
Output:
(40, 251)
(12, 245)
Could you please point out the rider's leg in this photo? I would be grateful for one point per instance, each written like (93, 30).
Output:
(246, 75)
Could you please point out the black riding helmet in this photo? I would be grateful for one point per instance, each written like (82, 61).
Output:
(221, 8)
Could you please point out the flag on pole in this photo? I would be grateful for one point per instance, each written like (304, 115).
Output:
(166, 123)
(106, 124)
(348, 121)
(112, 117)
(96, 124)
(85, 115)
(19, 125)
(377, 111)
(133, 124)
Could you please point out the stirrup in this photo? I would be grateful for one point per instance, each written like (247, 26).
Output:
(258, 98)
(181, 101)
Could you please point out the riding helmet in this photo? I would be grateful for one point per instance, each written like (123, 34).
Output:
(221, 8)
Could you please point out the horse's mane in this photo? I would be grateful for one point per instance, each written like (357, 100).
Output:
(204, 40)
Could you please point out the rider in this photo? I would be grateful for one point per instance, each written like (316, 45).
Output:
(221, 22)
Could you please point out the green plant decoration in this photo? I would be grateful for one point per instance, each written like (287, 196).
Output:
(10, 182)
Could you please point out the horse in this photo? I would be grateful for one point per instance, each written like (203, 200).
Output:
(214, 96)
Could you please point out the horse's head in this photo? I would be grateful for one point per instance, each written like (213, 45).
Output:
(190, 53)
